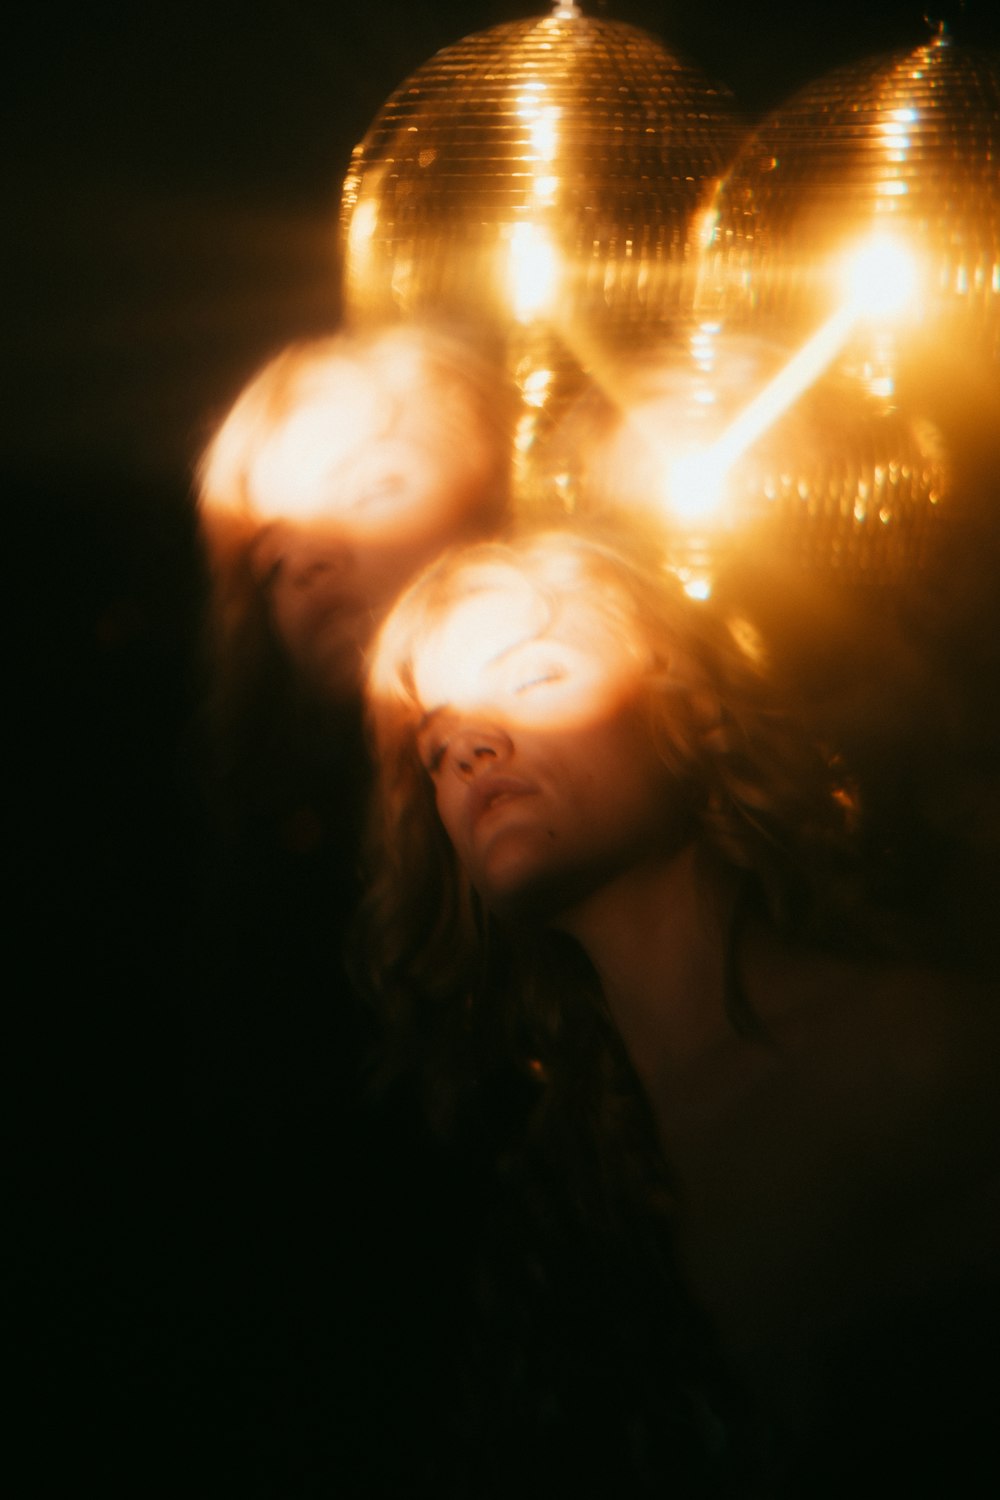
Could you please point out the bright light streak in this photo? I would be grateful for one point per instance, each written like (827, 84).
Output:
(535, 388)
(544, 133)
(880, 280)
(704, 227)
(362, 227)
(532, 270)
(544, 190)
(696, 485)
(696, 480)
(699, 587)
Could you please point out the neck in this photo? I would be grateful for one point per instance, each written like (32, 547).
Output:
(657, 937)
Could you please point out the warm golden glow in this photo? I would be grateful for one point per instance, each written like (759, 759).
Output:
(880, 280)
(694, 480)
(507, 650)
(544, 190)
(697, 585)
(542, 173)
(695, 487)
(535, 387)
(542, 120)
(532, 271)
(906, 144)
(363, 222)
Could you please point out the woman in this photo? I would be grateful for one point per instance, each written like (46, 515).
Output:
(622, 823)
(345, 465)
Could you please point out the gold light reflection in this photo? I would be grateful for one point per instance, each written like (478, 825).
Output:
(533, 271)
(906, 143)
(901, 151)
(814, 469)
(592, 118)
(363, 223)
(538, 178)
(879, 278)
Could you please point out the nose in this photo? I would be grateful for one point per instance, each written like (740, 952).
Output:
(308, 565)
(479, 749)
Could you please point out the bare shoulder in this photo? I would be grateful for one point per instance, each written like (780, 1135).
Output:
(896, 1041)
(914, 1014)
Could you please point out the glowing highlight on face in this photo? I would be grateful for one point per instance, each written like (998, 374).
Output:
(529, 723)
(507, 649)
(386, 449)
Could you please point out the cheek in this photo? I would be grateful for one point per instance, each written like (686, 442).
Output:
(620, 782)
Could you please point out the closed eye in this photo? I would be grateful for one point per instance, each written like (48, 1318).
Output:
(540, 679)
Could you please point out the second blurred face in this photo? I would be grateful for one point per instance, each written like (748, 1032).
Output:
(379, 463)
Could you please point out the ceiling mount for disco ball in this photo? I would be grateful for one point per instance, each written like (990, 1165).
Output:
(538, 180)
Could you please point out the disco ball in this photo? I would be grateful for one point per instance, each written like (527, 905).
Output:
(900, 151)
(905, 145)
(539, 180)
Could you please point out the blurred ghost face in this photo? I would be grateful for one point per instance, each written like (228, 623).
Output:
(378, 464)
(545, 776)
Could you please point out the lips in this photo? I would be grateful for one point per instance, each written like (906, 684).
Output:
(488, 792)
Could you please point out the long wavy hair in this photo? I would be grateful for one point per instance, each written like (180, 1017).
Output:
(761, 795)
(502, 1019)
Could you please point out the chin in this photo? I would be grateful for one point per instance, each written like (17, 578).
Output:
(536, 899)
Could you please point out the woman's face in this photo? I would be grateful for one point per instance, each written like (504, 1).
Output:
(545, 777)
(376, 467)
(326, 594)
